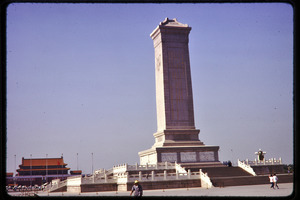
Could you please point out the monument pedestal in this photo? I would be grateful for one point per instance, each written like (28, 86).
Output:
(180, 154)
(181, 146)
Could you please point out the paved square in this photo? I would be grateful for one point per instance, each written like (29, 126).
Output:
(264, 190)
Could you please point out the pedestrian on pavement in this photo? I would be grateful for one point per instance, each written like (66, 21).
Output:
(137, 189)
(275, 178)
(271, 181)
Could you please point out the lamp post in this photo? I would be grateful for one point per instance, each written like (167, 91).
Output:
(46, 168)
(77, 161)
(30, 170)
(15, 172)
(62, 156)
(92, 164)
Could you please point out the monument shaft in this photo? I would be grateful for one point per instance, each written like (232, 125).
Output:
(174, 98)
(176, 139)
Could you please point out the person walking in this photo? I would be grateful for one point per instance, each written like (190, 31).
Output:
(137, 189)
(271, 181)
(275, 179)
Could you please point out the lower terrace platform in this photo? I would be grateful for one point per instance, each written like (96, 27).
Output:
(169, 175)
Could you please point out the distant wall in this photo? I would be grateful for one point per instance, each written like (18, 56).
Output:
(251, 180)
(153, 185)
(99, 187)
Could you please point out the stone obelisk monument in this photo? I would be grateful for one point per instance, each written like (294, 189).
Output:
(176, 139)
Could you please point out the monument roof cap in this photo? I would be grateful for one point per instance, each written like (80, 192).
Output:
(172, 22)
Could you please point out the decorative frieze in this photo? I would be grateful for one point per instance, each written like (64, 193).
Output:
(169, 157)
(207, 156)
(188, 157)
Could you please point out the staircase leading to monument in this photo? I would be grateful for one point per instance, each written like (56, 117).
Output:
(225, 172)
(222, 176)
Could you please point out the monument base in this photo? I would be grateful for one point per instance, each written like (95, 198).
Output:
(181, 154)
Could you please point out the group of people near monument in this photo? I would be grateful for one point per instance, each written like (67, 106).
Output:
(273, 181)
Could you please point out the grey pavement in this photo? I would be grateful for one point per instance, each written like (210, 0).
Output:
(264, 190)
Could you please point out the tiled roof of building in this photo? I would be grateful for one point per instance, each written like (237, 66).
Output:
(10, 174)
(52, 169)
(43, 161)
(76, 171)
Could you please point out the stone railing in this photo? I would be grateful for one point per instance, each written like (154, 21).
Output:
(47, 187)
(57, 183)
(74, 180)
(119, 174)
(96, 179)
(246, 167)
(123, 178)
(205, 180)
(180, 169)
(163, 176)
(102, 172)
(271, 161)
(125, 167)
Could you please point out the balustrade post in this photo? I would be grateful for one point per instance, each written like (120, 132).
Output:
(166, 165)
(189, 174)
(152, 175)
(247, 161)
(136, 166)
(165, 174)
(177, 174)
(140, 175)
(280, 162)
(105, 178)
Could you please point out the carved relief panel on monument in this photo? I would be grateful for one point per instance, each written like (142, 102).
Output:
(158, 62)
(207, 156)
(188, 156)
(168, 157)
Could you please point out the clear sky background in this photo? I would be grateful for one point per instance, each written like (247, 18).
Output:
(81, 79)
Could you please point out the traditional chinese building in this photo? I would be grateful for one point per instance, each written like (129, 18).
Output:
(42, 166)
(37, 171)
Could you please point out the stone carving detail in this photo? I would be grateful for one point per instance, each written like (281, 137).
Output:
(158, 62)
(207, 156)
(169, 157)
(188, 156)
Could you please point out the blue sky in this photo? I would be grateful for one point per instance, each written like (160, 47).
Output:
(81, 79)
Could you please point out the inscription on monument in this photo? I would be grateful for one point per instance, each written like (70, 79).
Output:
(168, 157)
(207, 156)
(178, 84)
(188, 156)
